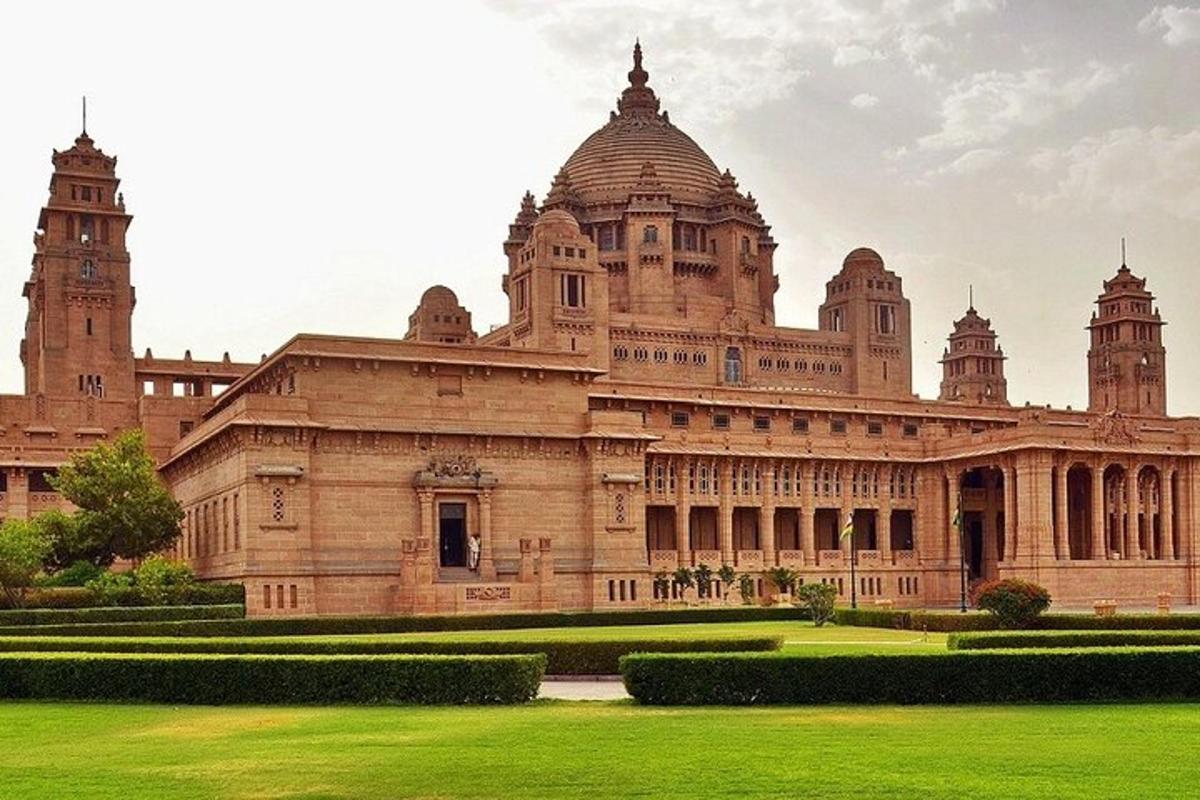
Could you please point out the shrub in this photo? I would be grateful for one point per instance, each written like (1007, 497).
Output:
(944, 621)
(33, 619)
(591, 657)
(1016, 603)
(873, 618)
(160, 579)
(258, 679)
(727, 575)
(77, 574)
(23, 548)
(1054, 639)
(703, 576)
(818, 600)
(108, 586)
(322, 626)
(985, 676)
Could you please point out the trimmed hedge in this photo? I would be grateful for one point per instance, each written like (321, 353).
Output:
(27, 618)
(198, 594)
(326, 626)
(563, 658)
(984, 676)
(262, 679)
(949, 621)
(1026, 639)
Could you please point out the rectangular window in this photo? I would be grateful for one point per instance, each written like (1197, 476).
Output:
(277, 509)
(885, 318)
(266, 595)
(295, 596)
(88, 326)
(799, 425)
(572, 291)
(522, 293)
(836, 320)
(185, 427)
(679, 419)
(762, 423)
(910, 429)
(837, 426)
(874, 428)
(237, 524)
(721, 421)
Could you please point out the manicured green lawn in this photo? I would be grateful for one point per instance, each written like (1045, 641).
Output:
(797, 636)
(589, 750)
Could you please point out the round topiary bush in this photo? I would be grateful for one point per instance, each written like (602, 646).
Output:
(1016, 603)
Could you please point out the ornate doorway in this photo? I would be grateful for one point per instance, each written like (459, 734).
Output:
(452, 534)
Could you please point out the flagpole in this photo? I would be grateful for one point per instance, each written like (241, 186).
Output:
(962, 559)
(853, 558)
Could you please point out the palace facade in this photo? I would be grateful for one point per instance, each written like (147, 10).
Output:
(639, 411)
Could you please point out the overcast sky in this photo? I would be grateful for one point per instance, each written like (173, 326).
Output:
(314, 168)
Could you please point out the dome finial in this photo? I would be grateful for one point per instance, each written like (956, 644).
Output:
(637, 75)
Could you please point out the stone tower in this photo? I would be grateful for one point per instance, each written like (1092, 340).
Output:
(77, 331)
(1127, 363)
(972, 364)
(557, 292)
(866, 302)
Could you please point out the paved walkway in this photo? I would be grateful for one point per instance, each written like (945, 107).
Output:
(601, 689)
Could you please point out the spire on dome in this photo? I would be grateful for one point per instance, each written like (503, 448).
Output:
(638, 98)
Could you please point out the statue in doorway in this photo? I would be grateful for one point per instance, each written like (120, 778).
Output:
(473, 548)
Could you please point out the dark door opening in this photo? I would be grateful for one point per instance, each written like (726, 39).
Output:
(452, 534)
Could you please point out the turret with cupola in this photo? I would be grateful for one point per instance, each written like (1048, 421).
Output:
(1127, 362)
(973, 364)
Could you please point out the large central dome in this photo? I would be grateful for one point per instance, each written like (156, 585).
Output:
(607, 166)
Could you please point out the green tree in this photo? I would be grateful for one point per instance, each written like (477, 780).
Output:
(818, 598)
(782, 578)
(703, 575)
(746, 588)
(23, 548)
(682, 578)
(124, 510)
(727, 575)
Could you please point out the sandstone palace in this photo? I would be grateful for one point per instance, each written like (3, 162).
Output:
(639, 410)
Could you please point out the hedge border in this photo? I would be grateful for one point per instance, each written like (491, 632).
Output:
(262, 679)
(595, 657)
(983, 676)
(950, 622)
(35, 617)
(326, 626)
(996, 640)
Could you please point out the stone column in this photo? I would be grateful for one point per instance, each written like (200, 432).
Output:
(683, 515)
(766, 518)
(1167, 504)
(951, 485)
(428, 526)
(1062, 539)
(725, 512)
(883, 522)
(487, 563)
(1099, 518)
(1133, 548)
(1010, 514)
(806, 514)
(18, 493)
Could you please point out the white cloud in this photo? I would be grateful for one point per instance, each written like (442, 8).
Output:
(1127, 171)
(864, 100)
(850, 54)
(1181, 24)
(971, 162)
(988, 105)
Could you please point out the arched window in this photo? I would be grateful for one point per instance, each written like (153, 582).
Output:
(733, 365)
(650, 234)
(88, 271)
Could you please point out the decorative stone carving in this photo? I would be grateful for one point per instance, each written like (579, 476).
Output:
(459, 471)
(1115, 428)
(485, 594)
(454, 467)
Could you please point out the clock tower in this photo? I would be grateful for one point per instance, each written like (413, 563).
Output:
(78, 327)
